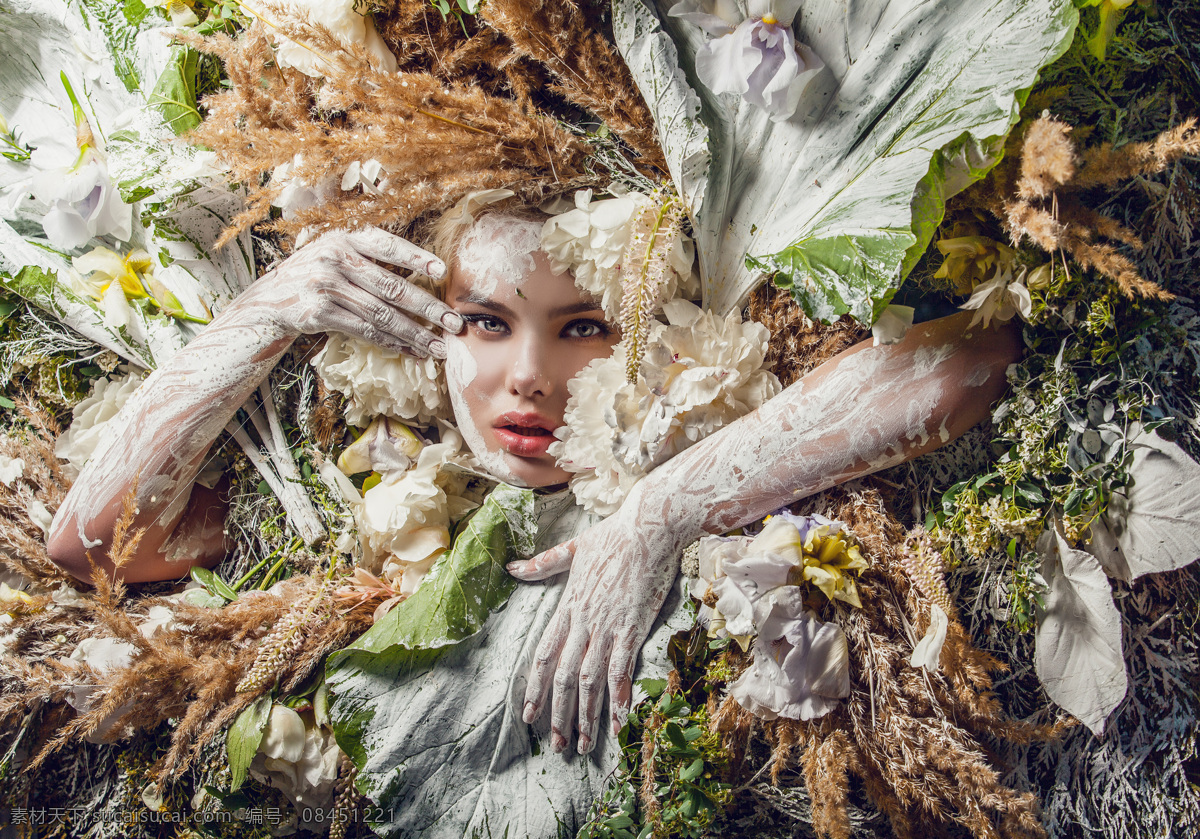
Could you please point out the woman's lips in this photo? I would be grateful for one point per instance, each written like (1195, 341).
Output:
(524, 435)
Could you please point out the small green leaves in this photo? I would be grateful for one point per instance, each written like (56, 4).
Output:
(174, 94)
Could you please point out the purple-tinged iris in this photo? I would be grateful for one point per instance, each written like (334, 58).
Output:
(753, 52)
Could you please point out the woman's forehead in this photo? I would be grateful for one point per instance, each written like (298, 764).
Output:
(498, 250)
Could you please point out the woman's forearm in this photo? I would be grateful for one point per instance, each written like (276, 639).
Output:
(158, 443)
(867, 409)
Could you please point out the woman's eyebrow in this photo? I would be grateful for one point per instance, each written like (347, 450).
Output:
(575, 309)
(484, 302)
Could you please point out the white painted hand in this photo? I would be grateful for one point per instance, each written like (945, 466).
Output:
(621, 572)
(331, 285)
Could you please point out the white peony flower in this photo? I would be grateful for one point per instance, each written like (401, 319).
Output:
(91, 417)
(339, 17)
(590, 241)
(404, 520)
(297, 757)
(753, 52)
(378, 381)
(82, 201)
(699, 374)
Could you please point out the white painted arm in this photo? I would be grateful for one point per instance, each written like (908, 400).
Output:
(867, 409)
(162, 436)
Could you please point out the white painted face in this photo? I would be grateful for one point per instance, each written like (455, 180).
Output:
(528, 332)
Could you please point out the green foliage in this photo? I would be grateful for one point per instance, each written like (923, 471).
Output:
(668, 735)
(175, 92)
(244, 736)
(119, 23)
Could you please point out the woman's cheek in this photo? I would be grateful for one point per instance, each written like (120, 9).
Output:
(468, 369)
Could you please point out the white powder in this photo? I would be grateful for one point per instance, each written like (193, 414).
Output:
(461, 370)
(499, 249)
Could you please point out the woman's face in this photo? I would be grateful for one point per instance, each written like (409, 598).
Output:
(527, 333)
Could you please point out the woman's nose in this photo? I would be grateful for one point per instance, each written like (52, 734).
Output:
(529, 374)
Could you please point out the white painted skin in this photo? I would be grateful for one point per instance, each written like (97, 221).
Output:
(865, 410)
(160, 440)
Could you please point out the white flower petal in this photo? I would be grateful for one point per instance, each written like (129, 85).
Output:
(892, 325)
(283, 738)
(928, 651)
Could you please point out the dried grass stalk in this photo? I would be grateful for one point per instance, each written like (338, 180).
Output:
(798, 344)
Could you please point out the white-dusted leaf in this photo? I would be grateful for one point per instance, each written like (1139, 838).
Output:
(1078, 654)
(654, 60)
(841, 199)
(1154, 525)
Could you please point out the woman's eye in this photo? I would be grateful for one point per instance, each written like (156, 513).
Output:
(487, 323)
(587, 329)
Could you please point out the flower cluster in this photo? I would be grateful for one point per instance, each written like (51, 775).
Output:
(298, 755)
(699, 374)
(378, 382)
(757, 587)
(114, 280)
(592, 239)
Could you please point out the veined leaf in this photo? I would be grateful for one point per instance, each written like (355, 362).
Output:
(464, 586)
(175, 92)
(913, 105)
(243, 738)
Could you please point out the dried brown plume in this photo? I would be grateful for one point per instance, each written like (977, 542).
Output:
(466, 111)
(1041, 195)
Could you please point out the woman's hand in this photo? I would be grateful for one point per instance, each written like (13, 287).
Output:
(331, 285)
(622, 570)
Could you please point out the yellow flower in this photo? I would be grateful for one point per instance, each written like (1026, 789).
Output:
(831, 560)
(969, 260)
(104, 267)
(13, 601)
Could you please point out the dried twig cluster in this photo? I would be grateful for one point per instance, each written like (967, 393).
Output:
(798, 344)
(464, 112)
(1040, 195)
(909, 736)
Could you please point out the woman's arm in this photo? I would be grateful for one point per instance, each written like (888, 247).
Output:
(160, 440)
(865, 410)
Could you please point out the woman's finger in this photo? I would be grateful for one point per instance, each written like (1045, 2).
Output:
(382, 321)
(544, 565)
(620, 678)
(592, 684)
(394, 250)
(399, 292)
(566, 689)
(545, 660)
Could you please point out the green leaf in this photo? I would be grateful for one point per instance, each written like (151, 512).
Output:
(675, 735)
(174, 94)
(693, 770)
(653, 687)
(119, 23)
(7, 307)
(7, 403)
(466, 584)
(244, 736)
(213, 583)
(910, 108)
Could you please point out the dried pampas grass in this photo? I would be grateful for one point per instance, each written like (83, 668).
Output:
(798, 344)
(1041, 195)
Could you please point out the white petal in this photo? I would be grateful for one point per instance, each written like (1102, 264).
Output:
(928, 650)
(892, 325)
(283, 738)
(1078, 654)
(11, 468)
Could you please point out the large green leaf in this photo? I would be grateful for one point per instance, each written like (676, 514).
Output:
(465, 585)
(854, 181)
(241, 742)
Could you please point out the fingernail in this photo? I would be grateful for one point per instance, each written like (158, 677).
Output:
(436, 269)
(437, 349)
(558, 743)
(585, 744)
(453, 321)
(529, 714)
